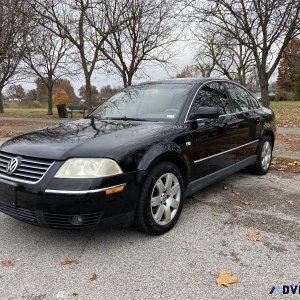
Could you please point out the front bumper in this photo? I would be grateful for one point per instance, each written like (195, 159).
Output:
(57, 208)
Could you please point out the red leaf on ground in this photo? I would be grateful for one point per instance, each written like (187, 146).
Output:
(6, 263)
(68, 261)
(93, 277)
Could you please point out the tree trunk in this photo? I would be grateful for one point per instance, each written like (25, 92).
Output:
(1, 101)
(88, 93)
(264, 89)
(50, 103)
(129, 79)
(125, 83)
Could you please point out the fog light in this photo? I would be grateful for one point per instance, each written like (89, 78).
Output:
(77, 220)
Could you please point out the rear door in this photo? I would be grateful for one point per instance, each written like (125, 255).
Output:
(246, 119)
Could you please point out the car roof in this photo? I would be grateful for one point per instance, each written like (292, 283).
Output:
(185, 80)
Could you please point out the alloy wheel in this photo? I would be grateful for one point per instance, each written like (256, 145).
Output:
(266, 155)
(165, 199)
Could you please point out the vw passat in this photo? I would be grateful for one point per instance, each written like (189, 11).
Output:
(136, 157)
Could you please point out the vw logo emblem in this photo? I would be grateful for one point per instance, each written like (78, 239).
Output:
(12, 165)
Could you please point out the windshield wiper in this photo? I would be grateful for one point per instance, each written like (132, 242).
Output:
(127, 119)
(93, 117)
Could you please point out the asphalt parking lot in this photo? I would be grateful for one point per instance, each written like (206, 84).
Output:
(183, 264)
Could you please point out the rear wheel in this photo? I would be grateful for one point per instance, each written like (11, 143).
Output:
(264, 157)
(161, 199)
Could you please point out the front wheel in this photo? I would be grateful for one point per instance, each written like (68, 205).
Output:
(264, 157)
(161, 199)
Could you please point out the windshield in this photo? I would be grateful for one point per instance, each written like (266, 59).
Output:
(153, 102)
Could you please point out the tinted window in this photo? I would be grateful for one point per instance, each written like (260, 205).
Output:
(242, 100)
(253, 100)
(212, 95)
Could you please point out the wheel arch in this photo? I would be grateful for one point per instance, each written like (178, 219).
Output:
(269, 133)
(177, 161)
(166, 152)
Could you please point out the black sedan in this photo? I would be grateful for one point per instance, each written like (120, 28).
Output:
(136, 157)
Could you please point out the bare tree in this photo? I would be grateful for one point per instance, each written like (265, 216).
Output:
(13, 29)
(266, 28)
(187, 72)
(145, 37)
(218, 54)
(204, 64)
(46, 56)
(71, 20)
(16, 90)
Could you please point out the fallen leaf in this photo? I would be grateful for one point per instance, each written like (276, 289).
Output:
(247, 203)
(225, 278)
(6, 263)
(236, 193)
(93, 277)
(68, 261)
(254, 235)
(290, 202)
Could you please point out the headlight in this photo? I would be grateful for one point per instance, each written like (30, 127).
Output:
(88, 168)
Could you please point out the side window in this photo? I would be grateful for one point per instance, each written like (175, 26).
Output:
(242, 100)
(253, 100)
(212, 95)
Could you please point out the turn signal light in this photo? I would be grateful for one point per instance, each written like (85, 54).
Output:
(115, 190)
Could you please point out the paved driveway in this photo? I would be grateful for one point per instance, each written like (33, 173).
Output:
(182, 264)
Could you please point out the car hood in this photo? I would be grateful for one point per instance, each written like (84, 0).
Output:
(89, 138)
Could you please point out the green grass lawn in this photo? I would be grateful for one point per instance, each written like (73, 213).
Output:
(21, 112)
(285, 104)
(25, 112)
(287, 113)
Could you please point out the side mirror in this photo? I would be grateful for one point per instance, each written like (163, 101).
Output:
(205, 112)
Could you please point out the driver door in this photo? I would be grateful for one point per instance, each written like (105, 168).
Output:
(213, 139)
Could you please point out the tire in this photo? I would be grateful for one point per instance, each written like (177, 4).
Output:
(159, 206)
(264, 157)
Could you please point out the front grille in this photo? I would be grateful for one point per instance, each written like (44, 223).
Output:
(22, 214)
(31, 169)
(63, 221)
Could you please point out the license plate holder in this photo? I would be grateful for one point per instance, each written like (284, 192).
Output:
(8, 193)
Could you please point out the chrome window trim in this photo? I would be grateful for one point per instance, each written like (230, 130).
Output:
(83, 192)
(185, 119)
(239, 112)
(220, 80)
(235, 148)
(244, 111)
